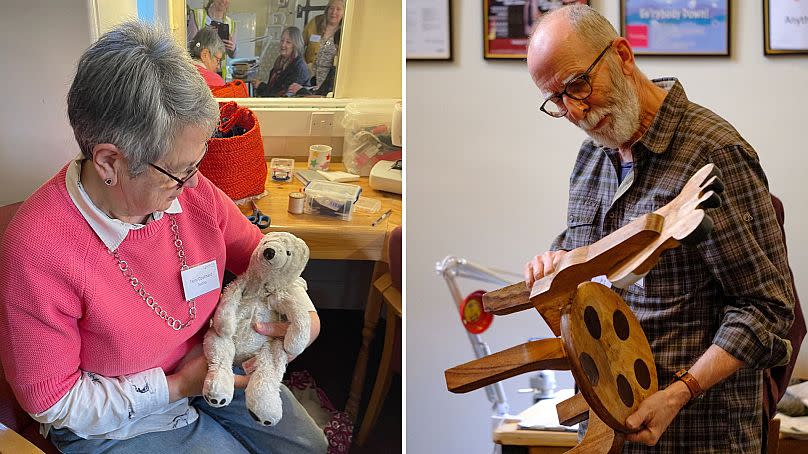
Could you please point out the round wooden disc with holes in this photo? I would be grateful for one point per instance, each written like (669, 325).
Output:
(608, 352)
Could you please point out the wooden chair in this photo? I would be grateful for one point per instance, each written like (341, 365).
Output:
(389, 287)
(22, 433)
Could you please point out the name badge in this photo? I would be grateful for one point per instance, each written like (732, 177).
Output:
(200, 279)
(602, 280)
(314, 38)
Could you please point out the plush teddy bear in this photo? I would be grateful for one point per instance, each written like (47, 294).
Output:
(271, 286)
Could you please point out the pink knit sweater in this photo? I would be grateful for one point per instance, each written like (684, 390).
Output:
(65, 306)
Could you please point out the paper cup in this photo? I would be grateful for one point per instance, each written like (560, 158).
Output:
(319, 157)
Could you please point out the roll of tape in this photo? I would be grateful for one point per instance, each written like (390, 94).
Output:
(296, 202)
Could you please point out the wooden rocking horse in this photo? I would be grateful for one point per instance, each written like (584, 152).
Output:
(601, 341)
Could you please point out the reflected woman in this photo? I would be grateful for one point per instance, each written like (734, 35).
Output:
(322, 29)
(207, 51)
(289, 67)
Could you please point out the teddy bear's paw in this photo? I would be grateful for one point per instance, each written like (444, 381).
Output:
(218, 388)
(264, 422)
(263, 401)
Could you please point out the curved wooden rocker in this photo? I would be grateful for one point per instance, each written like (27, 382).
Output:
(601, 341)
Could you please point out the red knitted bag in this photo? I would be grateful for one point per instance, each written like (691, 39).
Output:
(236, 164)
(234, 89)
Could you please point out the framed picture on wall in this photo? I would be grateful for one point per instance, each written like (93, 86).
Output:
(785, 27)
(429, 30)
(508, 23)
(676, 27)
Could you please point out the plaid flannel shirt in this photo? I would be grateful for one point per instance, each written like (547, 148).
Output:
(732, 290)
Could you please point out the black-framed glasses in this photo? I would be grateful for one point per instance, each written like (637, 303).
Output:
(579, 88)
(181, 181)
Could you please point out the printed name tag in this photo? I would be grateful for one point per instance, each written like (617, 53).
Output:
(200, 279)
(602, 280)
(314, 38)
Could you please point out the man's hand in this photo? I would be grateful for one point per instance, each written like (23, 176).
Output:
(656, 413)
(229, 45)
(541, 266)
(278, 329)
(187, 379)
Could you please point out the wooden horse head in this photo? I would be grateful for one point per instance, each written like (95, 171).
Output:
(601, 342)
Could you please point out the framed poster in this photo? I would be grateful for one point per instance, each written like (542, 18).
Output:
(676, 27)
(429, 30)
(785, 27)
(508, 23)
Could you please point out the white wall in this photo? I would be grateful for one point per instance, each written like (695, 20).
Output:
(487, 176)
(44, 40)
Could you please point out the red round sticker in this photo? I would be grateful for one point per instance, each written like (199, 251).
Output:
(472, 313)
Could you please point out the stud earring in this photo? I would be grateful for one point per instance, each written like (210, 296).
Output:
(108, 182)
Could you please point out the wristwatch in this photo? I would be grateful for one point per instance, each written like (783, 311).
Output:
(691, 383)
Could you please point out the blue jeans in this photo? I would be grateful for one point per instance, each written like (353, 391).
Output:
(225, 430)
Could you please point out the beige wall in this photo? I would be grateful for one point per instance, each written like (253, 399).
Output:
(372, 51)
(37, 66)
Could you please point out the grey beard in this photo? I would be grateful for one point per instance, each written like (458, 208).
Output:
(624, 109)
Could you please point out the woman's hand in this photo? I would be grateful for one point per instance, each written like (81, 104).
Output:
(187, 379)
(278, 329)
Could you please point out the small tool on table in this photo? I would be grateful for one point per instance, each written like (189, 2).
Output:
(384, 216)
(258, 218)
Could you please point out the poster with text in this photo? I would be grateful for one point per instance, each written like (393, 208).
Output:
(507, 24)
(786, 26)
(676, 27)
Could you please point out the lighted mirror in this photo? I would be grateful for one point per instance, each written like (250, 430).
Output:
(277, 48)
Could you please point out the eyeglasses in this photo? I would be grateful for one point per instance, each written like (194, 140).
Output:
(218, 59)
(579, 88)
(181, 181)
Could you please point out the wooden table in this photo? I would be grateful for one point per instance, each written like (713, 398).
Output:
(329, 238)
(335, 239)
(513, 439)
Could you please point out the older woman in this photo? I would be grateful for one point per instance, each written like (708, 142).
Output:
(207, 51)
(289, 67)
(99, 342)
(322, 29)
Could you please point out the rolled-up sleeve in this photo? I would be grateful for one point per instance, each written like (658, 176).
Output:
(746, 254)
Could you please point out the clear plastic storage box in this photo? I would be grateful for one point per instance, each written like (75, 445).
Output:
(368, 135)
(331, 199)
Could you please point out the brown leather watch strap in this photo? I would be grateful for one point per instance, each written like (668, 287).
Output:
(691, 383)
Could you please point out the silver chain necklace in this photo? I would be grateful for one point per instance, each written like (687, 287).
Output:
(137, 286)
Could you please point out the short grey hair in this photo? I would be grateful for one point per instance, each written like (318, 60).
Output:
(296, 37)
(594, 30)
(136, 88)
(207, 38)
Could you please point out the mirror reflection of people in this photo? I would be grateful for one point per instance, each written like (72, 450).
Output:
(289, 68)
(103, 348)
(212, 15)
(322, 29)
(207, 51)
(323, 70)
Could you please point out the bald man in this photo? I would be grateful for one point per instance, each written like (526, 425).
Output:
(715, 314)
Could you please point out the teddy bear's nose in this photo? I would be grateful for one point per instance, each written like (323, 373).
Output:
(269, 253)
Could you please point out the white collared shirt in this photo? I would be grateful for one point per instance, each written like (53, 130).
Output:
(114, 407)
